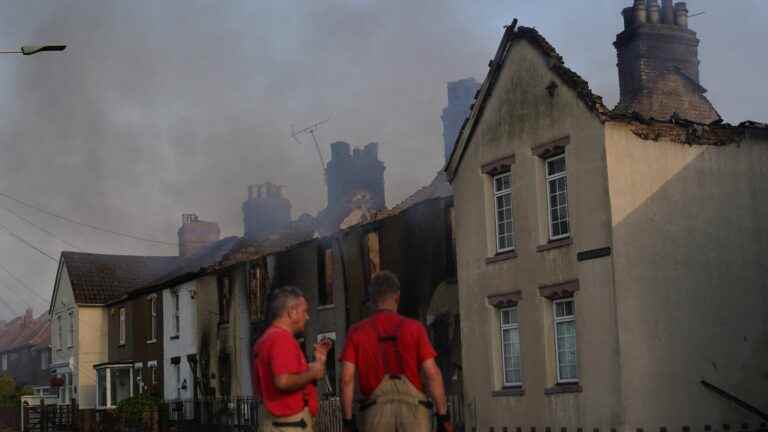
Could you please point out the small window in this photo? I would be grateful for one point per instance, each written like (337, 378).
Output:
(510, 347)
(256, 291)
(153, 315)
(176, 370)
(175, 300)
(122, 326)
(5, 362)
(71, 340)
(325, 277)
(565, 340)
(502, 197)
(60, 332)
(557, 197)
(43, 360)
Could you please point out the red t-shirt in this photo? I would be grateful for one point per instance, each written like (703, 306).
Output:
(375, 359)
(276, 353)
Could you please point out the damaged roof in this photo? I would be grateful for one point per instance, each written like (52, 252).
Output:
(688, 132)
(97, 279)
(512, 34)
(438, 188)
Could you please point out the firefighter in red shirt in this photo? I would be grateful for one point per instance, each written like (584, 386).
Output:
(281, 376)
(390, 354)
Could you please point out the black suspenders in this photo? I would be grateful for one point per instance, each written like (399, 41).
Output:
(393, 338)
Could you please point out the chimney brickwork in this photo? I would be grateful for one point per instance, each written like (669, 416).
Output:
(195, 234)
(461, 95)
(658, 61)
(266, 211)
(349, 173)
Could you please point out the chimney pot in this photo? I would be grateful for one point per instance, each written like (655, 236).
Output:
(641, 13)
(681, 15)
(667, 12)
(654, 16)
(629, 17)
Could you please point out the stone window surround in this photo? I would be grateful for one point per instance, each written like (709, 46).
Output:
(551, 148)
(559, 290)
(501, 301)
(491, 169)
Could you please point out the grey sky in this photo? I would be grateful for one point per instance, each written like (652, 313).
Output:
(164, 107)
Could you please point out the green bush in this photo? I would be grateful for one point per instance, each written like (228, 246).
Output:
(131, 411)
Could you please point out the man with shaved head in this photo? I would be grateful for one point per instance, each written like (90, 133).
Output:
(282, 378)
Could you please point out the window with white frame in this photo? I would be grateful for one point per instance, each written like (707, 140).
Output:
(152, 366)
(153, 315)
(176, 371)
(176, 306)
(565, 340)
(502, 198)
(43, 360)
(138, 373)
(510, 347)
(557, 197)
(60, 332)
(122, 326)
(113, 385)
(71, 340)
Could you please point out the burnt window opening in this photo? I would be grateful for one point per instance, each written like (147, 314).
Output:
(257, 282)
(325, 277)
(225, 297)
(372, 259)
(225, 374)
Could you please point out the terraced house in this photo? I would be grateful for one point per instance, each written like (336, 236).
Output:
(81, 321)
(609, 259)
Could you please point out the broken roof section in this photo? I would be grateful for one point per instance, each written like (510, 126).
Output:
(512, 34)
(98, 278)
(695, 129)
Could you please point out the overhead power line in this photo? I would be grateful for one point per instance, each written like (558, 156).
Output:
(30, 245)
(87, 225)
(40, 228)
(23, 284)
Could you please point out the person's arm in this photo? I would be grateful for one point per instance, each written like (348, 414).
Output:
(435, 386)
(347, 389)
(290, 382)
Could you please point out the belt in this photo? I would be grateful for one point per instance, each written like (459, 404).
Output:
(364, 405)
(301, 424)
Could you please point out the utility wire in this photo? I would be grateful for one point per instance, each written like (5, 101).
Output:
(40, 228)
(8, 306)
(23, 284)
(93, 227)
(23, 240)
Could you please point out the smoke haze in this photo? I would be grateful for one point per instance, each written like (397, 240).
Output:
(163, 107)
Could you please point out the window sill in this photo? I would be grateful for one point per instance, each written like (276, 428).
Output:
(508, 392)
(554, 244)
(151, 341)
(563, 388)
(326, 307)
(503, 256)
(174, 337)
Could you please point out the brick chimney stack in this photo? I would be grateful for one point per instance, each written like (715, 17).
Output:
(266, 211)
(658, 61)
(195, 234)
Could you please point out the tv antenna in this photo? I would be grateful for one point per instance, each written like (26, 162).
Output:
(310, 130)
(697, 14)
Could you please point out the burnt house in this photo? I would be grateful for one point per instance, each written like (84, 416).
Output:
(414, 240)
